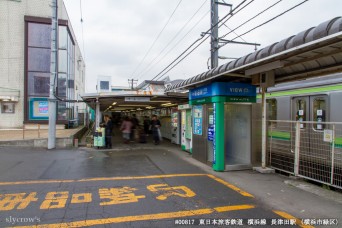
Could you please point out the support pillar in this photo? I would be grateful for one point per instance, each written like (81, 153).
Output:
(219, 148)
(97, 114)
(263, 129)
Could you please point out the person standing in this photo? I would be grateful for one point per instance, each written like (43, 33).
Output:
(108, 131)
(135, 126)
(155, 127)
(147, 124)
(126, 128)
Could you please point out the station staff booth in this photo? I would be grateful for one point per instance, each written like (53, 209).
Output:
(222, 124)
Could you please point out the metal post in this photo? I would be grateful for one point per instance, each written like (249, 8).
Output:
(214, 34)
(297, 149)
(53, 76)
(263, 127)
(332, 156)
(38, 131)
(97, 114)
(219, 147)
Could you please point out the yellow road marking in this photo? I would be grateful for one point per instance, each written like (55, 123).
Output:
(234, 208)
(159, 216)
(231, 186)
(288, 216)
(99, 179)
(81, 198)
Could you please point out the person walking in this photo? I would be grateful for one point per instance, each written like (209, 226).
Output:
(108, 131)
(126, 128)
(155, 127)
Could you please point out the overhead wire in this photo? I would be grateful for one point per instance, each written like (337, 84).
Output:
(231, 14)
(266, 22)
(150, 66)
(154, 42)
(250, 19)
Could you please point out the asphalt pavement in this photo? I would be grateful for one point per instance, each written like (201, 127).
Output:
(144, 185)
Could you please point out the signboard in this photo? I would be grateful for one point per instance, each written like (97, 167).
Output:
(223, 89)
(328, 135)
(198, 119)
(211, 133)
(214, 140)
(138, 99)
(38, 108)
(183, 107)
(43, 107)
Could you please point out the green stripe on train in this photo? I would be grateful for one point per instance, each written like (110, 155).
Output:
(303, 91)
(279, 135)
(338, 142)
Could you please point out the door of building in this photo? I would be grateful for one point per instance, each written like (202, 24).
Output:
(237, 136)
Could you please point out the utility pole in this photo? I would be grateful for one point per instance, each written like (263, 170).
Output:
(53, 76)
(131, 82)
(214, 33)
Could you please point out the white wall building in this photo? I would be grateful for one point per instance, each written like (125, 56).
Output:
(25, 27)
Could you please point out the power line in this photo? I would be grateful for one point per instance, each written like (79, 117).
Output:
(263, 11)
(268, 21)
(235, 37)
(154, 42)
(149, 67)
(231, 14)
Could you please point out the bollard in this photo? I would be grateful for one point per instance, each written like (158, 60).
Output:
(75, 142)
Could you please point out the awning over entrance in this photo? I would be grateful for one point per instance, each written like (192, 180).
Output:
(314, 52)
(126, 101)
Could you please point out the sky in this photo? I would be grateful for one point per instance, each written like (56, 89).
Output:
(138, 39)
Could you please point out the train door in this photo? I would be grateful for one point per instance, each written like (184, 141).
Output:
(311, 108)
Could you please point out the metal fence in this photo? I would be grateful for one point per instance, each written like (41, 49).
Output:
(312, 150)
(33, 131)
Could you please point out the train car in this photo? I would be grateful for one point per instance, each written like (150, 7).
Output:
(316, 104)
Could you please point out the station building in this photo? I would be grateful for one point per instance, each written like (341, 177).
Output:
(25, 50)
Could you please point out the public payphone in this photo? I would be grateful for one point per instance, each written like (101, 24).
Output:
(186, 128)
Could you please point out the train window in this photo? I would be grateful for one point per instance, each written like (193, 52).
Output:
(272, 111)
(301, 109)
(319, 107)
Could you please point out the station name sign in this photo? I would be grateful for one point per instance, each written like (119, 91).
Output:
(223, 89)
(137, 99)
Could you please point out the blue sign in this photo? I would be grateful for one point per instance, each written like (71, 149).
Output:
(223, 89)
(214, 140)
(211, 133)
(197, 121)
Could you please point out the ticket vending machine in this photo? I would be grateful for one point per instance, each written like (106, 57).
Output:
(175, 126)
(186, 127)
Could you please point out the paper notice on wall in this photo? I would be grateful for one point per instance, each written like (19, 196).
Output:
(328, 135)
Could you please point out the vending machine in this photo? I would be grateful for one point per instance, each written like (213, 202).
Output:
(175, 126)
(186, 127)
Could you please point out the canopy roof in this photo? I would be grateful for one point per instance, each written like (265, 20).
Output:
(314, 52)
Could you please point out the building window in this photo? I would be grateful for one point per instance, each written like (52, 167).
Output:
(7, 107)
(38, 68)
(104, 85)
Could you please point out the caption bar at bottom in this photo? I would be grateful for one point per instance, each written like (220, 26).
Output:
(256, 222)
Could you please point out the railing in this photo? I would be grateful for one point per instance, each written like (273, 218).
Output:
(312, 150)
(33, 131)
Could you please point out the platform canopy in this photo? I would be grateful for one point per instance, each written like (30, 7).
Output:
(314, 52)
